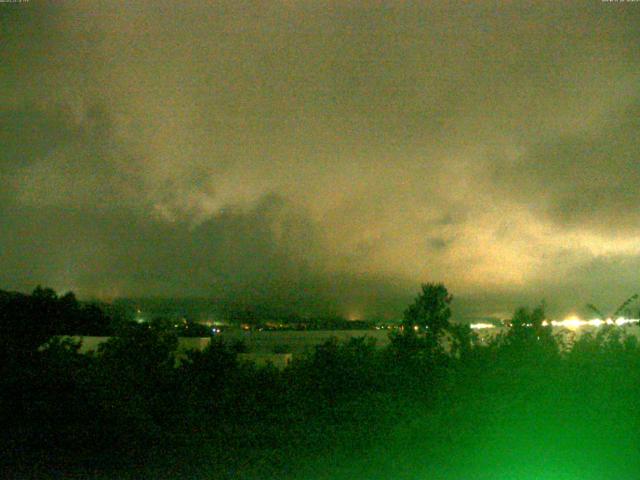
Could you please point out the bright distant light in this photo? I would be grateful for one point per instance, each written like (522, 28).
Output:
(481, 326)
(570, 322)
(575, 322)
(625, 321)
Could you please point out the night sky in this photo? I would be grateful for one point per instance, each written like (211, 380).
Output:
(323, 155)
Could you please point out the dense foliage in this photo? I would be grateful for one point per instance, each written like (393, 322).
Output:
(520, 406)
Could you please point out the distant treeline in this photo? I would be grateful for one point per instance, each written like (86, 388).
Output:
(27, 321)
(51, 314)
(518, 407)
(258, 315)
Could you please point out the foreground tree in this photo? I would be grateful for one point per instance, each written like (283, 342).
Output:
(27, 321)
(530, 336)
(430, 310)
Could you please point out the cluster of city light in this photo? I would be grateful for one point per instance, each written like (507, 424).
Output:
(575, 322)
(481, 326)
(571, 323)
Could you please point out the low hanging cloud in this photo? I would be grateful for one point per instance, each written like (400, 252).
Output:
(322, 156)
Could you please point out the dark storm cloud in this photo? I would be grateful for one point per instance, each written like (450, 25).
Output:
(320, 152)
(51, 156)
(29, 133)
(267, 254)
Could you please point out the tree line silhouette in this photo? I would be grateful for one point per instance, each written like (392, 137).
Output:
(434, 403)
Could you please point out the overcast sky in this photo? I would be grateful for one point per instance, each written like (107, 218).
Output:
(325, 155)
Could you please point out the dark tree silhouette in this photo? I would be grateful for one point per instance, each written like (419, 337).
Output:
(26, 322)
(430, 310)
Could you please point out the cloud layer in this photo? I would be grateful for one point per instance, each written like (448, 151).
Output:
(324, 155)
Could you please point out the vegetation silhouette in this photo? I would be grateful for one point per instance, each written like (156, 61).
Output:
(623, 308)
(435, 403)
